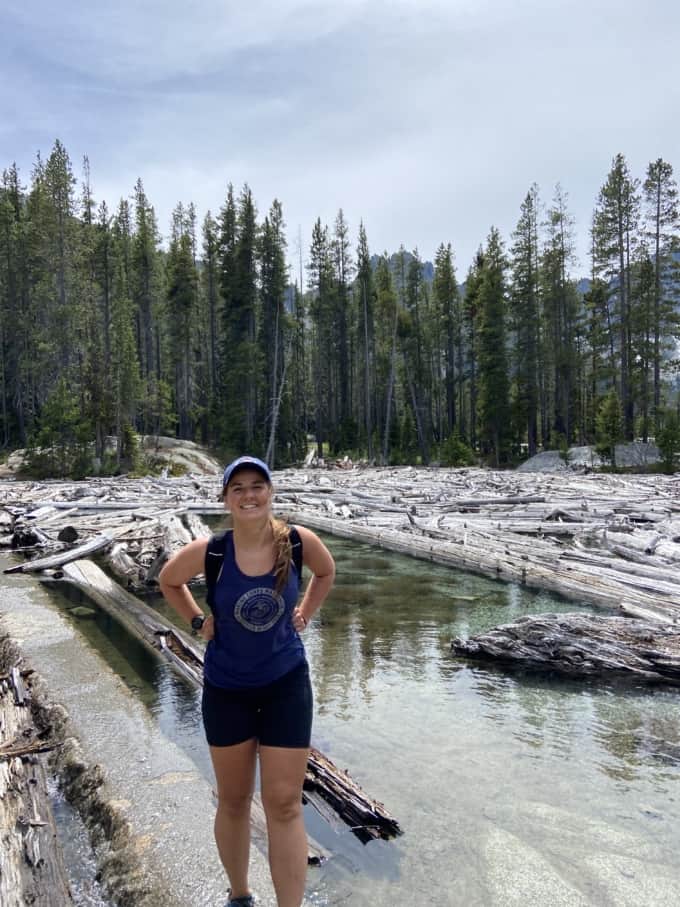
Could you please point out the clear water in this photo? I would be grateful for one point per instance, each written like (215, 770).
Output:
(78, 858)
(510, 788)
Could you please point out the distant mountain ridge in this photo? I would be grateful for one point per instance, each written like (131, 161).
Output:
(428, 266)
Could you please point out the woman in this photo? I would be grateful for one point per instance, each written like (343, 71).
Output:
(257, 696)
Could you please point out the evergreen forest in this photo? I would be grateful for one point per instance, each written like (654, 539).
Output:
(106, 332)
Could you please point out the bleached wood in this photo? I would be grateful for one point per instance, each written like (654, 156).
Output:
(31, 863)
(582, 645)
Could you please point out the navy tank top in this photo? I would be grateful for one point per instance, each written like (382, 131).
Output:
(255, 642)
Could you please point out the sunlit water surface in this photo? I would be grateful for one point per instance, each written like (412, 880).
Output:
(510, 788)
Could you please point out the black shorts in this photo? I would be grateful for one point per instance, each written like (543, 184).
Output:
(279, 714)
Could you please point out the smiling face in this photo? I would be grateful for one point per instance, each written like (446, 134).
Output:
(248, 495)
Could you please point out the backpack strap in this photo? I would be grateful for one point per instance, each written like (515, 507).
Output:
(296, 545)
(214, 559)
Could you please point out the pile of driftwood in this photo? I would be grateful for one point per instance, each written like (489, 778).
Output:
(582, 645)
(608, 539)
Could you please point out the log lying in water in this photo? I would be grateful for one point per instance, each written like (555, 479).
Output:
(324, 783)
(366, 818)
(582, 645)
(31, 865)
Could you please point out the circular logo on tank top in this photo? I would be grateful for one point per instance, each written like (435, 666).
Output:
(259, 609)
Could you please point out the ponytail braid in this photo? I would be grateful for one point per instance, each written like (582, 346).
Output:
(283, 552)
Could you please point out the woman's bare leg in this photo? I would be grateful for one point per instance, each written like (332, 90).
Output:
(235, 775)
(282, 773)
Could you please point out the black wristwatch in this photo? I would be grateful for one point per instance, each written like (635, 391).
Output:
(197, 623)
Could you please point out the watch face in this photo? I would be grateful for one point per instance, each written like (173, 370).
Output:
(197, 623)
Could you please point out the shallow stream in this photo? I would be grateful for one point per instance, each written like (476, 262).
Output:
(512, 789)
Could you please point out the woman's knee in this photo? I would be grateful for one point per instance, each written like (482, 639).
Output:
(234, 804)
(282, 803)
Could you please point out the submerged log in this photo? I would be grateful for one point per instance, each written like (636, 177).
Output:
(324, 782)
(581, 645)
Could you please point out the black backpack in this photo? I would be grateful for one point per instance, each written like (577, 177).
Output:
(214, 558)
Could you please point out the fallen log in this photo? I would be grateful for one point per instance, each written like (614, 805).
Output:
(367, 819)
(31, 864)
(91, 546)
(324, 783)
(582, 645)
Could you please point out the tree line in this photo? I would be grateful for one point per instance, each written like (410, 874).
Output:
(107, 333)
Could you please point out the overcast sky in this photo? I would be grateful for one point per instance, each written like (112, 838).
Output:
(428, 119)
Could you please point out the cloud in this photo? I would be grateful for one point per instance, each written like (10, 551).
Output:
(429, 119)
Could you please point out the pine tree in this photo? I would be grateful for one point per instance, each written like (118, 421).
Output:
(609, 426)
(274, 329)
(447, 302)
(643, 294)
(13, 290)
(300, 379)
(413, 345)
(662, 224)
(366, 398)
(321, 309)
(471, 324)
(145, 288)
(125, 376)
(240, 360)
(525, 309)
(93, 368)
(562, 324)
(210, 280)
(668, 439)
(183, 320)
(615, 227)
(494, 406)
(344, 426)
(387, 319)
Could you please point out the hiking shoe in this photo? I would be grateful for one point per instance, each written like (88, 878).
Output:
(246, 900)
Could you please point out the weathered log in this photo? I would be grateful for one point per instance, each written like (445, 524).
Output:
(195, 525)
(366, 817)
(31, 864)
(11, 751)
(124, 566)
(582, 645)
(91, 546)
(485, 502)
